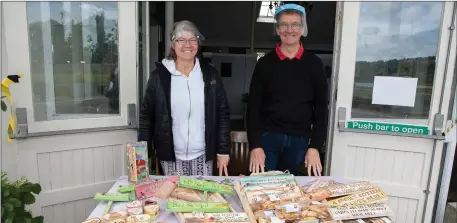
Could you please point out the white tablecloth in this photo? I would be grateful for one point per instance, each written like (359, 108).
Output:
(169, 217)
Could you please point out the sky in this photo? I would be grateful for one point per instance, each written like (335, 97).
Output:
(77, 11)
(396, 30)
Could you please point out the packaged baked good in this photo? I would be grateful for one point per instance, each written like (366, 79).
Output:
(134, 204)
(143, 218)
(135, 211)
(318, 194)
(115, 221)
(288, 212)
(149, 202)
(318, 183)
(92, 220)
(151, 209)
(119, 215)
(187, 194)
(165, 190)
(277, 194)
(316, 211)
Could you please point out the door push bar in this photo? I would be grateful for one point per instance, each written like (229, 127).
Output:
(437, 131)
(21, 130)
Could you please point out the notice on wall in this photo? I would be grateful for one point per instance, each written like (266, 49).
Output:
(398, 91)
(360, 211)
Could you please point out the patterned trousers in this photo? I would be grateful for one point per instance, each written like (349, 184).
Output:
(196, 167)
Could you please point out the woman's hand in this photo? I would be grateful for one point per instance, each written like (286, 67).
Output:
(222, 163)
(313, 162)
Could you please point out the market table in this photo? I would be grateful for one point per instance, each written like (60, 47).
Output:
(169, 217)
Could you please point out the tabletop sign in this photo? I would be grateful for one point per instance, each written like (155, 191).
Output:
(389, 127)
(207, 207)
(267, 180)
(203, 185)
(360, 211)
(273, 195)
(216, 217)
(375, 195)
(345, 189)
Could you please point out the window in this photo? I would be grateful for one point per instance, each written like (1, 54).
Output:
(266, 15)
(398, 39)
(73, 59)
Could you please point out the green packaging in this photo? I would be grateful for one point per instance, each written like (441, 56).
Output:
(204, 185)
(206, 207)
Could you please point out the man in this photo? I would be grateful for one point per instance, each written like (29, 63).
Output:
(287, 109)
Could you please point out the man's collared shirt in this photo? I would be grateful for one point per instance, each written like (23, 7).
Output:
(283, 57)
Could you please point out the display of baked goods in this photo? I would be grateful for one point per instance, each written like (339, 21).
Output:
(271, 197)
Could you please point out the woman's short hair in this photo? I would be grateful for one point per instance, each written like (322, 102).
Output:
(176, 32)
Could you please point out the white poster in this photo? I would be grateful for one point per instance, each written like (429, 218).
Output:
(399, 91)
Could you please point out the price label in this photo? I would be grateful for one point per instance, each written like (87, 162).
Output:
(294, 207)
(273, 197)
(269, 213)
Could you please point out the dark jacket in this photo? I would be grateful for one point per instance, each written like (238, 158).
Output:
(156, 120)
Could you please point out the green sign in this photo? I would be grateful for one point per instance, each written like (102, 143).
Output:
(203, 185)
(208, 207)
(389, 127)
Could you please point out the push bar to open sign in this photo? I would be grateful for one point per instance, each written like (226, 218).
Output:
(388, 127)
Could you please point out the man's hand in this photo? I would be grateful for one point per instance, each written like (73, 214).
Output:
(257, 162)
(313, 162)
(222, 163)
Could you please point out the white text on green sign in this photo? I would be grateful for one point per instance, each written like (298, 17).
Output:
(389, 127)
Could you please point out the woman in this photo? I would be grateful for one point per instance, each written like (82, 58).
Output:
(185, 109)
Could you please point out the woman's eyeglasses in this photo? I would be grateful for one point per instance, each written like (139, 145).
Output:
(183, 42)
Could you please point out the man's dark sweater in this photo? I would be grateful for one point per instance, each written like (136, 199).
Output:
(290, 97)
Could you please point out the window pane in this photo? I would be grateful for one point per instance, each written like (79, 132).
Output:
(396, 39)
(74, 57)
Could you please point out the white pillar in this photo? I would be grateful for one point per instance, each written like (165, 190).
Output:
(169, 21)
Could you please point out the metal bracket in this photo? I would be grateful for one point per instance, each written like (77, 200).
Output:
(131, 115)
(22, 130)
(438, 126)
(341, 118)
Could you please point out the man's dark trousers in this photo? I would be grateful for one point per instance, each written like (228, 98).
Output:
(284, 152)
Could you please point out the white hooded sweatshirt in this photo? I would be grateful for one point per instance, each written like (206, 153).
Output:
(187, 111)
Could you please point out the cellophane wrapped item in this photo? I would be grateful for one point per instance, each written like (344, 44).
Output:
(138, 165)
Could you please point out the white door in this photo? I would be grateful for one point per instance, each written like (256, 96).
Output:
(77, 102)
(385, 129)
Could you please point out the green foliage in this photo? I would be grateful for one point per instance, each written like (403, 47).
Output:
(15, 196)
